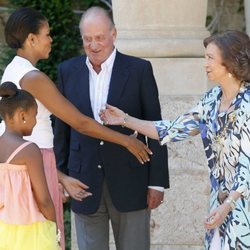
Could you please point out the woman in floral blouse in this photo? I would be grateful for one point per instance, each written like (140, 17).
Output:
(222, 117)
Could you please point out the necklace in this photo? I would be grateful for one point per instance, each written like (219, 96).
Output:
(220, 144)
(221, 135)
(229, 119)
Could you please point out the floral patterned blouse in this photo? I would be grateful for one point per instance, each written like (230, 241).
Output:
(226, 140)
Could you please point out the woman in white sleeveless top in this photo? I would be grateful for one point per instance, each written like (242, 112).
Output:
(27, 31)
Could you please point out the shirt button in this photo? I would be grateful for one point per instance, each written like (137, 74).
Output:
(99, 166)
(101, 142)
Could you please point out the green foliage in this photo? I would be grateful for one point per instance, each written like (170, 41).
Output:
(85, 4)
(241, 6)
(64, 31)
(209, 19)
(221, 16)
(67, 225)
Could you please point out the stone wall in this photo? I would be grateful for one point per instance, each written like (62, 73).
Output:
(227, 14)
(177, 223)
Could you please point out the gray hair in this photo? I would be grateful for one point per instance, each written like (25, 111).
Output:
(96, 10)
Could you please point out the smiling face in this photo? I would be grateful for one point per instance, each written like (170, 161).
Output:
(98, 36)
(214, 67)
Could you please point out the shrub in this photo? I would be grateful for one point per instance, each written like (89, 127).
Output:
(64, 31)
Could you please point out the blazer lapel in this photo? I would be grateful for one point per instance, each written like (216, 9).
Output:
(118, 80)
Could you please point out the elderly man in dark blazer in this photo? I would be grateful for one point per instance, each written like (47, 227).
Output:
(123, 190)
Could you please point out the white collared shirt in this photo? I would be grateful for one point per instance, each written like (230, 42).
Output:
(99, 84)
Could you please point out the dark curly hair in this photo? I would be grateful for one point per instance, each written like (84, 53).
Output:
(235, 52)
(13, 98)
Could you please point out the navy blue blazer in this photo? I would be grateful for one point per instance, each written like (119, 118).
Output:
(132, 89)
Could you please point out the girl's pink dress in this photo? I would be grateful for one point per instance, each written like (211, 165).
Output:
(42, 135)
(22, 225)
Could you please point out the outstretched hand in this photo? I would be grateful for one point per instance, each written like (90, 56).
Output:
(112, 115)
(75, 188)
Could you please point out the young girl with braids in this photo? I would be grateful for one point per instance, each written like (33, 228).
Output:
(27, 214)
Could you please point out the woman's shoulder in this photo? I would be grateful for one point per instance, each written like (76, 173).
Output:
(17, 69)
(214, 91)
(246, 88)
(21, 63)
(211, 95)
(245, 103)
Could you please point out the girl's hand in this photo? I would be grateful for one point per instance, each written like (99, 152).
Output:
(217, 216)
(64, 193)
(75, 188)
(112, 115)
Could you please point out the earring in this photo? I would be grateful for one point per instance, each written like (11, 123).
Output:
(229, 75)
(24, 121)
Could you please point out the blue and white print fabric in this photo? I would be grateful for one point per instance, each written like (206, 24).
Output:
(226, 140)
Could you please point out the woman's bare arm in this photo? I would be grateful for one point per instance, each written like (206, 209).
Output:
(43, 89)
(114, 116)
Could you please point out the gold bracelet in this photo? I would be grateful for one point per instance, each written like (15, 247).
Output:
(125, 119)
(231, 202)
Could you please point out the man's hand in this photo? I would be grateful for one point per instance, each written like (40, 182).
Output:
(155, 198)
